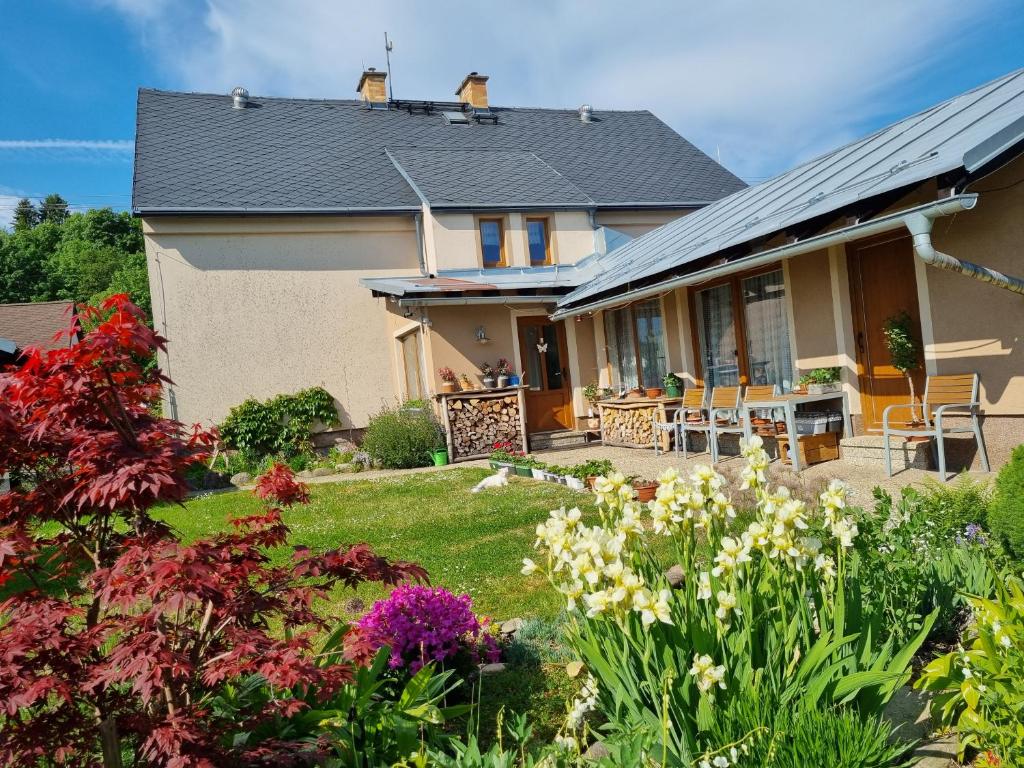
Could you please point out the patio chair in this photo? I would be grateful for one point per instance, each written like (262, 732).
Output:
(693, 401)
(763, 392)
(948, 395)
(724, 416)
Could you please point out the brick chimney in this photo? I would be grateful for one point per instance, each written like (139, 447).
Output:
(371, 87)
(473, 90)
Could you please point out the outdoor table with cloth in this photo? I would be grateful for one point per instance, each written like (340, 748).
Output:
(788, 404)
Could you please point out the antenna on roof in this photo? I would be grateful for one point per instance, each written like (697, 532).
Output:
(388, 48)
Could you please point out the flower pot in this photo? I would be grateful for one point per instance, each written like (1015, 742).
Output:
(575, 483)
(488, 382)
(523, 471)
(654, 392)
(513, 380)
(562, 479)
(635, 392)
(538, 474)
(502, 382)
(502, 465)
(591, 479)
(645, 491)
(551, 477)
(465, 383)
(673, 391)
(821, 389)
(447, 386)
(440, 457)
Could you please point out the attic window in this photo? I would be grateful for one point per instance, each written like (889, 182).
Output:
(455, 117)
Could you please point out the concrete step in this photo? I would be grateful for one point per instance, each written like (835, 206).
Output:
(869, 450)
(563, 438)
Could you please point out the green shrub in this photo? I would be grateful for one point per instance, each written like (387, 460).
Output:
(280, 425)
(1006, 512)
(398, 439)
(953, 506)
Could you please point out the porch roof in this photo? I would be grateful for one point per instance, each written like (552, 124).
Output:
(951, 140)
(485, 285)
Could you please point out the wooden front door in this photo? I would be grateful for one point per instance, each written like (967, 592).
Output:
(882, 284)
(544, 355)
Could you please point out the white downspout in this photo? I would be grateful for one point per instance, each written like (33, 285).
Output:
(920, 226)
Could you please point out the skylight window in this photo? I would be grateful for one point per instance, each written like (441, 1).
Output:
(455, 117)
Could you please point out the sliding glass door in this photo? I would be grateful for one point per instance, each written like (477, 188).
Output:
(635, 337)
(743, 332)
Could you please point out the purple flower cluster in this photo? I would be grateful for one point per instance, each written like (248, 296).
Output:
(424, 624)
(973, 534)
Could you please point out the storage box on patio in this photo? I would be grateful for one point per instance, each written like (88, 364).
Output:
(814, 449)
(818, 422)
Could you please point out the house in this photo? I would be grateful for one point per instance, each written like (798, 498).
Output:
(43, 324)
(364, 244)
(925, 216)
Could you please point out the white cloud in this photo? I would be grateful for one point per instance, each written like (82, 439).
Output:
(7, 205)
(766, 84)
(99, 145)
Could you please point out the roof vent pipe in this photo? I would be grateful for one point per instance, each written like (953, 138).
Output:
(920, 226)
(586, 113)
(239, 97)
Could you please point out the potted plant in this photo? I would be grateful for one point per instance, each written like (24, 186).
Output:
(645, 489)
(593, 469)
(514, 379)
(449, 381)
(673, 385)
(538, 469)
(503, 455)
(821, 380)
(487, 375)
(904, 352)
(654, 392)
(523, 464)
(503, 371)
(636, 392)
(465, 383)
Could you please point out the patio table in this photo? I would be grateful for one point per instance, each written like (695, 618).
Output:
(788, 404)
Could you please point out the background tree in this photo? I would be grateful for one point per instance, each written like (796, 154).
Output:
(904, 351)
(54, 208)
(25, 215)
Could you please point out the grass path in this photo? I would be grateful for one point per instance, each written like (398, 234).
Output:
(472, 543)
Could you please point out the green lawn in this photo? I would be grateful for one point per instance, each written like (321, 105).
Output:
(469, 543)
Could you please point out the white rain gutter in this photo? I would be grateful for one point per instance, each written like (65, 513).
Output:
(920, 226)
(887, 223)
(459, 301)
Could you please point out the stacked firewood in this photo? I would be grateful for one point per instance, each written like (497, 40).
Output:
(631, 426)
(478, 423)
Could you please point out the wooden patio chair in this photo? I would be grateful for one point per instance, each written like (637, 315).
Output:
(693, 401)
(948, 395)
(724, 416)
(763, 392)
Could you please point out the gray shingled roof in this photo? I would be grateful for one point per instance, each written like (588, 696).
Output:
(494, 178)
(194, 152)
(37, 324)
(964, 132)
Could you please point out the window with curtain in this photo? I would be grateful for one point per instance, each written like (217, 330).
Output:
(538, 239)
(759, 326)
(636, 345)
(492, 242)
(412, 368)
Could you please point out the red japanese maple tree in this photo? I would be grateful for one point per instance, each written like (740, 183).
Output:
(114, 634)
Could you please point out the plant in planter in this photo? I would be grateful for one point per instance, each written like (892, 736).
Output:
(487, 375)
(503, 371)
(505, 455)
(904, 351)
(465, 383)
(654, 392)
(821, 380)
(449, 382)
(673, 385)
(645, 489)
(538, 469)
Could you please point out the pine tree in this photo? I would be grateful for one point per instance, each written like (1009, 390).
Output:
(25, 215)
(54, 209)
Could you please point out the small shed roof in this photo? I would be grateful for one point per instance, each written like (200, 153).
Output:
(37, 324)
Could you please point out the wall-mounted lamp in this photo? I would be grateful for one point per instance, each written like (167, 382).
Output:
(481, 335)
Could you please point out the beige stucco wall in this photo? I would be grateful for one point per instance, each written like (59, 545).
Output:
(452, 240)
(259, 307)
(977, 326)
(636, 223)
(809, 290)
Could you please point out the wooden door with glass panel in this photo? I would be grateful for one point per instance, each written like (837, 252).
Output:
(544, 355)
(882, 285)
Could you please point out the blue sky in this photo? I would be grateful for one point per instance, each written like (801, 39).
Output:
(761, 85)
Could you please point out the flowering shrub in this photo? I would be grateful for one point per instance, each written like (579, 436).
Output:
(979, 688)
(423, 625)
(115, 635)
(506, 453)
(776, 605)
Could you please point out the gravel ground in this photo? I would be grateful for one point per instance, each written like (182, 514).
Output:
(643, 462)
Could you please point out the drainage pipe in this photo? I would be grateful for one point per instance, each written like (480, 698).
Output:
(920, 227)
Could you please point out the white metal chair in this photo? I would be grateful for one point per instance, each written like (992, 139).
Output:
(724, 416)
(948, 395)
(693, 401)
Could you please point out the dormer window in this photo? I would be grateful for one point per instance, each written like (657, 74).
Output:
(539, 239)
(492, 242)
